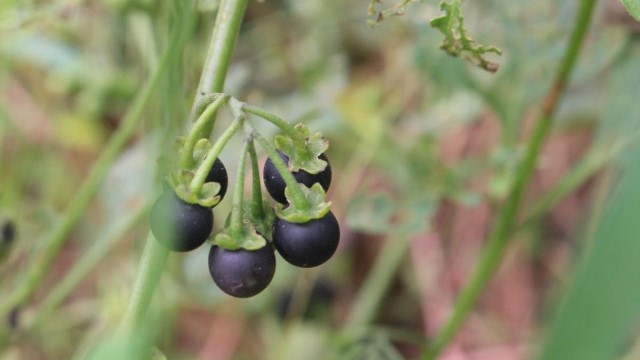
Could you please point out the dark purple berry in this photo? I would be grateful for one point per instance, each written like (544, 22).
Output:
(242, 273)
(275, 183)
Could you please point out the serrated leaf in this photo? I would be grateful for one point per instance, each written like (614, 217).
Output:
(303, 149)
(633, 7)
(315, 197)
(456, 41)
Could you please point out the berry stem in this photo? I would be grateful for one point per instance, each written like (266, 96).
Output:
(298, 200)
(212, 155)
(270, 117)
(504, 225)
(206, 118)
(235, 228)
(257, 209)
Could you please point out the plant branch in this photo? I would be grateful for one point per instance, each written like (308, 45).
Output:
(507, 215)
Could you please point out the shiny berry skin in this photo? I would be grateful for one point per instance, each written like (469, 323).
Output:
(242, 273)
(308, 244)
(218, 173)
(275, 183)
(179, 226)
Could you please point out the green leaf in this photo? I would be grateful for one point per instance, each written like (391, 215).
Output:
(456, 41)
(303, 149)
(315, 197)
(633, 7)
(376, 16)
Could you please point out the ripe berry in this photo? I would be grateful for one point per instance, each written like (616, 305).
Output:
(309, 244)
(275, 183)
(179, 226)
(242, 273)
(218, 173)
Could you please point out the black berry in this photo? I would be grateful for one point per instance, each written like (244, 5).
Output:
(308, 244)
(242, 273)
(275, 183)
(218, 173)
(180, 226)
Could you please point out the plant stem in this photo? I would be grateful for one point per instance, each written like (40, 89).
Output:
(502, 229)
(103, 244)
(223, 39)
(235, 228)
(370, 296)
(206, 118)
(212, 155)
(54, 242)
(257, 209)
(148, 276)
(270, 117)
(297, 199)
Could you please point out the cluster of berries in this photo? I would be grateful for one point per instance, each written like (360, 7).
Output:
(244, 271)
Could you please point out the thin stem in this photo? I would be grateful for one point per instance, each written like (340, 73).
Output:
(506, 217)
(212, 155)
(223, 39)
(206, 118)
(370, 296)
(54, 242)
(297, 196)
(235, 228)
(257, 209)
(87, 263)
(270, 117)
(148, 276)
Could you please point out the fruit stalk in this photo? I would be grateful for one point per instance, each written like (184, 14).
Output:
(504, 225)
(256, 191)
(298, 199)
(197, 131)
(235, 228)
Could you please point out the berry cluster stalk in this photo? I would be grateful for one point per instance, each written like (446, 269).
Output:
(508, 212)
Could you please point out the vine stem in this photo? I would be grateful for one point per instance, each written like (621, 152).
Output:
(225, 34)
(223, 40)
(56, 239)
(502, 229)
(270, 117)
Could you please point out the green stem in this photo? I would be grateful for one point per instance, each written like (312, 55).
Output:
(212, 155)
(257, 209)
(297, 199)
(223, 39)
(235, 228)
(502, 229)
(270, 117)
(370, 296)
(148, 276)
(87, 263)
(54, 242)
(206, 118)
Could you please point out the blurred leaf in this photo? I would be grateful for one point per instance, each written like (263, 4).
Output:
(633, 7)
(457, 42)
(603, 301)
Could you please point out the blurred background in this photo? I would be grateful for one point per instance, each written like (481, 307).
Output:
(423, 151)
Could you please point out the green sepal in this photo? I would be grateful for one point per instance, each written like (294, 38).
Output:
(457, 42)
(261, 225)
(303, 149)
(315, 197)
(200, 151)
(180, 181)
(248, 240)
